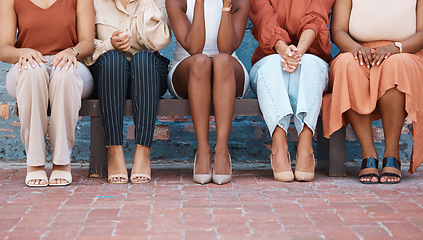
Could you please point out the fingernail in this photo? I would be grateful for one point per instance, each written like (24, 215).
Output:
(26, 67)
(368, 66)
(58, 69)
(373, 63)
(33, 65)
(361, 63)
(53, 68)
(39, 64)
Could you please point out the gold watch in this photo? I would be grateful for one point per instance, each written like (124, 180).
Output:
(398, 45)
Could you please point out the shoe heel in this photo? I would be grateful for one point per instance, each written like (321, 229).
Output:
(285, 176)
(200, 178)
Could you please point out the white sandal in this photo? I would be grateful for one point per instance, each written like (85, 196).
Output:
(35, 175)
(58, 174)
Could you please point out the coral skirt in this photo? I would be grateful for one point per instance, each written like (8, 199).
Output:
(356, 87)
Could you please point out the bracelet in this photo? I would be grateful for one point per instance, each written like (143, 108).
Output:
(75, 51)
(227, 9)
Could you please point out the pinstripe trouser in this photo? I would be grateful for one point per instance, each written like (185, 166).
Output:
(146, 75)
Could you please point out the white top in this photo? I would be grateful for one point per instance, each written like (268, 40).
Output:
(212, 15)
(145, 20)
(373, 20)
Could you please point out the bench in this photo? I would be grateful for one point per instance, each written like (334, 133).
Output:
(331, 154)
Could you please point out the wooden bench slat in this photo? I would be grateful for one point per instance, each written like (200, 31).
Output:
(172, 107)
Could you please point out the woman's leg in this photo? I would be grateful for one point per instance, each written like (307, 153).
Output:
(270, 83)
(392, 109)
(362, 126)
(65, 92)
(111, 73)
(145, 90)
(31, 87)
(192, 80)
(306, 88)
(228, 82)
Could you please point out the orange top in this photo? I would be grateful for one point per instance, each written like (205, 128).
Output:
(285, 20)
(48, 31)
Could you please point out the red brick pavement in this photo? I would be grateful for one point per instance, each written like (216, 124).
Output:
(173, 207)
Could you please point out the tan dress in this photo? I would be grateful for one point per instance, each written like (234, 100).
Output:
(356, 87)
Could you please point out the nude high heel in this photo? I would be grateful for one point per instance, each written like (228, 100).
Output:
(305, 176)
(223, 179)
(285, 176)
(200, 178)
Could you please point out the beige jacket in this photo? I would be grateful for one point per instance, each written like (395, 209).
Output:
(146, 20)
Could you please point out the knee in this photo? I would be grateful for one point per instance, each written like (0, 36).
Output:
(65, 79)
(222, 62)
(143, 61)
(33, 77)
(112, 60)
(200, 65)
(345, 58)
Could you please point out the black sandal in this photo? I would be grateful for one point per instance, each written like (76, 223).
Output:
(391, 168)
(369, 168)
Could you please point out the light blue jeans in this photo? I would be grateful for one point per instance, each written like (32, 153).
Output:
(281, 94)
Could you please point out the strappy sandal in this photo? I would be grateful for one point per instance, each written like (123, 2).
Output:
(58, 174)
(369, 168)
(391, 168)
(135, 176)
(36, 175)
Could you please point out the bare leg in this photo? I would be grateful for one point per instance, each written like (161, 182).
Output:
(141, 163)
(116, 164)
(305, 159)
(280, 160)
(192, 80)
(228, 82)
(392, 109)
(362, 126)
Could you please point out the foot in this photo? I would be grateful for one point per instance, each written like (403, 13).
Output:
(116, 165)
(203, 162)
(304, 161)
(369, 172)
(391, 171)
(66, 168)
(222, 163)
(36, 181)
(141, 164)
(280, 161)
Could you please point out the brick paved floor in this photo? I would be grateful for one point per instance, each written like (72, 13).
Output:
(173, 207)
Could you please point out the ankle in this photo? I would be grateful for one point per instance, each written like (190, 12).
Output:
(35, 168)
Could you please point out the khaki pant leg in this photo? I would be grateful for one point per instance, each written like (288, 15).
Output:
(65, 101)
(32, 98)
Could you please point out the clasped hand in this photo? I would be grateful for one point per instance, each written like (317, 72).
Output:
(291, 59)
(121, 41)
(364, 55)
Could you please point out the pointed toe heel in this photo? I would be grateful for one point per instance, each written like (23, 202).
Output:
(285, 176)
(223, 179)
(304, 176)
(200, 178)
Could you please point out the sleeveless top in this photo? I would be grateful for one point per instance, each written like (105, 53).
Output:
(373, 20)
(212, 15)
(48, 31)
